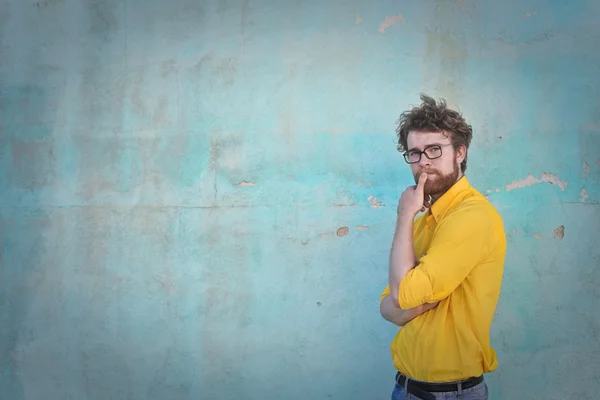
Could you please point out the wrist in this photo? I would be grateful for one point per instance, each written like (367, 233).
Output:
(404, 219)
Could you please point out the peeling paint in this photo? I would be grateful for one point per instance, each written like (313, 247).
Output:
(532, 180)
(374, 202)
(583, 196)
(343, 231)
(559, 232)
(246, 183)
(160, 194)
(389, 21)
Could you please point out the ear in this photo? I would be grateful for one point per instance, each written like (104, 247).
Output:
(461, 153)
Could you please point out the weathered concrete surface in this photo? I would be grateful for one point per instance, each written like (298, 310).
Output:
(197, 198)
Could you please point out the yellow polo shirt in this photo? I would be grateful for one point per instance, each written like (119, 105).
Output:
(460, 246)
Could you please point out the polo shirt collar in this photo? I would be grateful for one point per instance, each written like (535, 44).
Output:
(439, 208)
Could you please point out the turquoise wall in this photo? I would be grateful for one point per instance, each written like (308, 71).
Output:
(198, 198)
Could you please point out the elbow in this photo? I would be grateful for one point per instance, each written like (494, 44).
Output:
(386, 309)
(382, 311)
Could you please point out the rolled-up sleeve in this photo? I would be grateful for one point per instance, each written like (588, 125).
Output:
(461, 241)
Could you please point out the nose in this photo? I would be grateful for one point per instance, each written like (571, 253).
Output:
(425, 162)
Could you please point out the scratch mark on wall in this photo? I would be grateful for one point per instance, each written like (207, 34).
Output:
(362, 228)
(559, 232)
(389, 21)
(537, 236)
(532, 180)
(529, 14)
(358, 19)
(47, 3)
(347, 199)
(583, 196)
(165, 284)
(246, 183)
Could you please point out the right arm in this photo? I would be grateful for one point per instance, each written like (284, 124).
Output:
(399, 316)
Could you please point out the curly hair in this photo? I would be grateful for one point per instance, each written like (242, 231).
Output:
(435, 117)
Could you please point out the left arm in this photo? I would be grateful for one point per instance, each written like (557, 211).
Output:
(390, 311)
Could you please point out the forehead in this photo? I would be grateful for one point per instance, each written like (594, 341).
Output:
(422, 139)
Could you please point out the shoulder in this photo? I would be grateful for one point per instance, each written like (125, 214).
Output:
(475, 214)
(475, 211)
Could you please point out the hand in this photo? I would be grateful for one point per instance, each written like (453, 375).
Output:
(413, 198)
(427, 306)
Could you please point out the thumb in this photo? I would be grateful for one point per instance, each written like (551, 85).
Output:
(421, 183)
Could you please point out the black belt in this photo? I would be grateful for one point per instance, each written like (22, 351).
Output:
(424, 389)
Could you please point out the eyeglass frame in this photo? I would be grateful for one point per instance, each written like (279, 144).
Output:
(405, 154)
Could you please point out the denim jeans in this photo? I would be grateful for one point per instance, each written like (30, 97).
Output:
(477, 392)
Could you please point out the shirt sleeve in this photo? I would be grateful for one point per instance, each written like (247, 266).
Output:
(386, 291)
(462, 240)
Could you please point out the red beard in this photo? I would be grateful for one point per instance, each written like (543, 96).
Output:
(437, 184)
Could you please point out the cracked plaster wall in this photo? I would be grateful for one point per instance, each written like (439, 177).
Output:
(197, 198)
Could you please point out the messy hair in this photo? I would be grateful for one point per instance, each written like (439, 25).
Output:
(434, 117)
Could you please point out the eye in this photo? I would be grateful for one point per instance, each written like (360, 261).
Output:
(434, 151)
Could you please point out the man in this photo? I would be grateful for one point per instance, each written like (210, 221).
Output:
(446, 266)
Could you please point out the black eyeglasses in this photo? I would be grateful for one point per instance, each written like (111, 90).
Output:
(432, 152)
